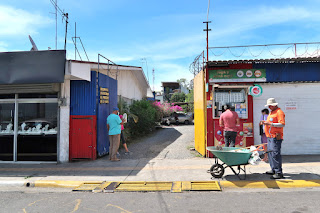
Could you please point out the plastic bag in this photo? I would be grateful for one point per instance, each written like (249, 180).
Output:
(125, 117)
(255, 158)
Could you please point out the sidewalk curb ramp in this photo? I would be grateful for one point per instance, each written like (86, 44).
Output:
(172, 186)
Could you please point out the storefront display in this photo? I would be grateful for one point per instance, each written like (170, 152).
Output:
(28, 128)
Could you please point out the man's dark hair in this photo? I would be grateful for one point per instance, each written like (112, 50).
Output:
(265, 111)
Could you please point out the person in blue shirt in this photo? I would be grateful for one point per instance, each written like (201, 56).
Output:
(114, 128)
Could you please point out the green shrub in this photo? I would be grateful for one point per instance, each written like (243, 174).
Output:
(147, 115)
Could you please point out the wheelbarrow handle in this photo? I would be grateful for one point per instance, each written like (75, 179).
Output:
(248, 147)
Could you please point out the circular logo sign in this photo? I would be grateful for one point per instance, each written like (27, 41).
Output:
(256, 91)
(249, 73)
(240, 73)
(257, 73)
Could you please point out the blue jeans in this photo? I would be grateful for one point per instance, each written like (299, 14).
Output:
(274, 155)
(230, 138)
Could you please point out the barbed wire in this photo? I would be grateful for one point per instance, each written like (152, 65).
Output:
(258, 54)
(238, 56)
(196, 66)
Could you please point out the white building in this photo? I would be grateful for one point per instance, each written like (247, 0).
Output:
(132, 82)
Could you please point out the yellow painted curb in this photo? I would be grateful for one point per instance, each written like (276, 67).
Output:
(271, 184)
(224, 184)
(61, 183)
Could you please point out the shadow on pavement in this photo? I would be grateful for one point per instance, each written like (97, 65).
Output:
(150, 147)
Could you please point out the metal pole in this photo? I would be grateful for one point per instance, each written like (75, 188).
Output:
(65, 38)
(207, 42)
(56, 6)
(75, 42)
(207, 29)
(16, 123)
(295, 50)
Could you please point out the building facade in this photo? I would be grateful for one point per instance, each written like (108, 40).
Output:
(246, 85)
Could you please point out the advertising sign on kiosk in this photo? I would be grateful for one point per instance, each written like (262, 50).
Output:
(235, 87)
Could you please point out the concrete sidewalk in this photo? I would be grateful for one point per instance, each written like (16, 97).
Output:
(299, 171)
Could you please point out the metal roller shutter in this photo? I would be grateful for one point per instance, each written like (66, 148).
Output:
(29, 88)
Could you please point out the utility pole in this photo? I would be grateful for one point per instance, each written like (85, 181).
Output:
(207, 29)
(65, 38)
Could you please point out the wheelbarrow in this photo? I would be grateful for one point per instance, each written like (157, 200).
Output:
(230, 156)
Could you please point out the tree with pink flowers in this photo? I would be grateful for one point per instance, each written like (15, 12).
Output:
(166, 109)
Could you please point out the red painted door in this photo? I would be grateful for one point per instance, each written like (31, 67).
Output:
(82, 140)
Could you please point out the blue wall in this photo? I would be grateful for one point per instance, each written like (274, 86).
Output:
(85, 100)
(288, 72)
(104, 111)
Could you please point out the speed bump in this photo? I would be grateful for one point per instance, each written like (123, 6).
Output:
(87, 186)
(142, 186)
(149, 186)
(205, 186)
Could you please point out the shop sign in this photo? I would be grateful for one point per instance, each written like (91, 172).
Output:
(237, 75)
(291, 105)
(255, 91)
(104, 95)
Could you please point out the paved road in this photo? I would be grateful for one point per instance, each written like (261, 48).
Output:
(292, 201)
(172, 142)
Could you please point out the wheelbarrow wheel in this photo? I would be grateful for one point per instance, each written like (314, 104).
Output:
(217, 170)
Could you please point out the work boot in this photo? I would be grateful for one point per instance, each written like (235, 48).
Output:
(271, 172)
(277, 176)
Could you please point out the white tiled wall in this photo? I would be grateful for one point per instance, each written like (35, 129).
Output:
(302, 130)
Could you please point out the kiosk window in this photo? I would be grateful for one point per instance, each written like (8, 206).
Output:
(236, 98)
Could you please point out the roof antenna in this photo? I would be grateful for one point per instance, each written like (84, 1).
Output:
(34, 47)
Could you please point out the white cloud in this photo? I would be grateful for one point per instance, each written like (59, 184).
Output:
(170, 72)
(15, 21)
(255, 18)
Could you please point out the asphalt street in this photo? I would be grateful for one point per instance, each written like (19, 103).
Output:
(293, 201)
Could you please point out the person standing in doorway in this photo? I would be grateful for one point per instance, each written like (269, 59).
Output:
(264, 116)
(274, 132)
(229, 121)
(264, 141)
(114, 127)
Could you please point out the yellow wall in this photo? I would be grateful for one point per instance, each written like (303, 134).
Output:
(200, 123)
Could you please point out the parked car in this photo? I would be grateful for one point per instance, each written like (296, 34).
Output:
(177, 118)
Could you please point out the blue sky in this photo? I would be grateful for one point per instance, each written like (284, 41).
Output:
(169, 34)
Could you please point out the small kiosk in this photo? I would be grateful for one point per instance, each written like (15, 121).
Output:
(233, 87)
(246, 85)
